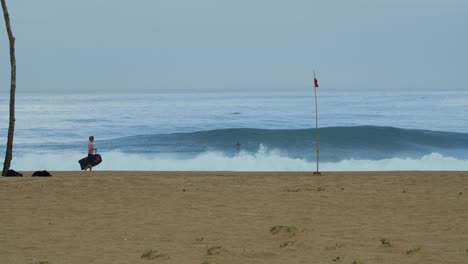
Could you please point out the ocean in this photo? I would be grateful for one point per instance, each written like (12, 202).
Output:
(242, 131)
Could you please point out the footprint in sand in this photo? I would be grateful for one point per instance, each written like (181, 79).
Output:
(287, 244)
(337, 259)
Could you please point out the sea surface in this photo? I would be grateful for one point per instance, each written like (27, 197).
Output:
(242, 131)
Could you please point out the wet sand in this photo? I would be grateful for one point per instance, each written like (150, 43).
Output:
(234, 217)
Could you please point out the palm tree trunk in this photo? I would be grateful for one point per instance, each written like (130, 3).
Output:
(11, 127)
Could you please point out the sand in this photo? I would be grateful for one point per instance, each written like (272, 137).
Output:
(235, 217)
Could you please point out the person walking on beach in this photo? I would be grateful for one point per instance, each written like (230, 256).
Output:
(91, 151)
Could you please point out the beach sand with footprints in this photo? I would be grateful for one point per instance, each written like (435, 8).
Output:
(234, 217)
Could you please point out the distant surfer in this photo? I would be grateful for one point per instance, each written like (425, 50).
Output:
(238, 148)
(91, 151)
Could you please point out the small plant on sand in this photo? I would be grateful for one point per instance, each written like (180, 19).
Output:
(154, 254)
(414, 250)
(42, 262)
(205, 262)
(385, 242)
(214, 250)
(357, 262)
(292, 230)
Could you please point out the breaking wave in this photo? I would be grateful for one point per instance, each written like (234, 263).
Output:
(342, 148)
(336, 143)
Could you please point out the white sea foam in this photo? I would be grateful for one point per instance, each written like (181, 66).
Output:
(264, 160)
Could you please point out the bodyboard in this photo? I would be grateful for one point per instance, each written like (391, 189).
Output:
(96, 159)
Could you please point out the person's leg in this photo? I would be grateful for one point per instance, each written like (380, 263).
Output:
(90, 160)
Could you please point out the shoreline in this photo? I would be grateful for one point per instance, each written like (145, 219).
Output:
(235, 217)
(98, 172)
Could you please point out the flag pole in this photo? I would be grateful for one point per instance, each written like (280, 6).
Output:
(317, 149)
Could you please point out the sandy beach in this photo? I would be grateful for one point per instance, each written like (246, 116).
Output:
(234, 217)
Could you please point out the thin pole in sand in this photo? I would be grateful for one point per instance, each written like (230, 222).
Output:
(317, 149)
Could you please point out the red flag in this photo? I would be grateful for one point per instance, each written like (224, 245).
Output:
(315, 83)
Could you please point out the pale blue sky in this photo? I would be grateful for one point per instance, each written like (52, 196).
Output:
(151, 45)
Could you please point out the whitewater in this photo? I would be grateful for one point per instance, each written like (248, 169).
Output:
(242, 131)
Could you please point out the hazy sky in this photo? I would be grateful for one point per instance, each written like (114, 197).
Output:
(151, 45)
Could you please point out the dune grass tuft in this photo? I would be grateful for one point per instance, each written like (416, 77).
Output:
(385, 242)
(413, 250)
(150, 254)
(292, 230)
(214, 250)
